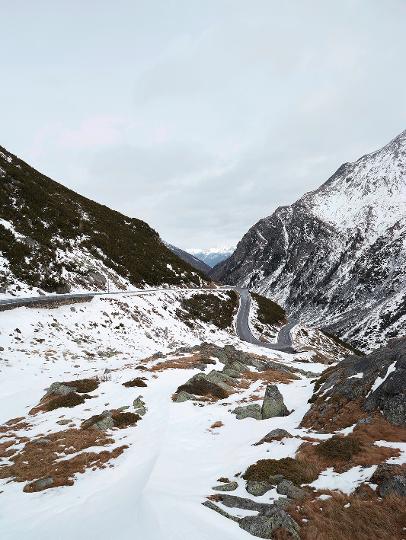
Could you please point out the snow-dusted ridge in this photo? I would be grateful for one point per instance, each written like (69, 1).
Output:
(337, 256)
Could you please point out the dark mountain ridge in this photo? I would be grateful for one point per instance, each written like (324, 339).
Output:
(56, 240)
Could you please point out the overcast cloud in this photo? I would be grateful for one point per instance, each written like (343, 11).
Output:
(200, 117)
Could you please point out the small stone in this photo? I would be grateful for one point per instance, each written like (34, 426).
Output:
(275, 435)
(63, 422)
(230, 486)
(40, 484)
(139, 406)
(42, 441)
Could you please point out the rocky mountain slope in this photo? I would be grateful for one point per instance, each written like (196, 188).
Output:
(190, 259)
(337, 256)
(55, 240)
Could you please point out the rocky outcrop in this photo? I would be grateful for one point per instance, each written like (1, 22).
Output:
(346, 393)
(219, 384)
(272, 405)
(269, 519)
(391, 480)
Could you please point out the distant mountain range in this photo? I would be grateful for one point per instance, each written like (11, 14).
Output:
(54, 240)
(337, 256)
(212, 256)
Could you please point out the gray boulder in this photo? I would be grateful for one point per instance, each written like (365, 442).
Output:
(248, 411)
(288, 488)
(274, 435)
(273, 404)
(60, 389)
(258, 487)
(40, 484)
(104, 423)
(183, 396)
(212, 506)
(229, 486)
(139, 406)
(265, 526)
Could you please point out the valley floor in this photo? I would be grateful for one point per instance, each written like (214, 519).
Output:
(176, 452)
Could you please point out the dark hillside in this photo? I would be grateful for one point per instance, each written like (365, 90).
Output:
(54, 239)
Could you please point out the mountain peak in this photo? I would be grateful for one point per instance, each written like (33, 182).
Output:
(337, 255)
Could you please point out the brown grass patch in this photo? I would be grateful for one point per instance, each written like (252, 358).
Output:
(183, 362)
(83, 386)
(138, 381)
(380, 429)
(14, 424)
(341, 448)
(5, 450)
(36, 461)
(343, 453)
(269, 376)
(296, 470)
(332, 415)
(52, 402)
(203, 387)
(365, 518)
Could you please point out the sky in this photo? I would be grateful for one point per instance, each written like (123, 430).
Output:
(199, 116)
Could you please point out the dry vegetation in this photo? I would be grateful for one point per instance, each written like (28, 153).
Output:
(40, 458)
(209, 308)
(138, 382)
(332, 415)
(268, 376)
(182, 362)
(361, 516)
(296, 470)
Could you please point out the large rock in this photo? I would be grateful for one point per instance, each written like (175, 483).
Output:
(264, 526)
(60, 389)
(183, 396)
(214, 384)
(391, 480)
(258, 487)
(273, 404)
(252, 410)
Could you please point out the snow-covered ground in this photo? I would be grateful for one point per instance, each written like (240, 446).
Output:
(154, 490)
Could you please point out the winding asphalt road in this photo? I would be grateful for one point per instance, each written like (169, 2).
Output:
(284, 340)
(283, 343)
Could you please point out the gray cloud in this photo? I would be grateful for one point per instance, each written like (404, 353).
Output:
(201, 117)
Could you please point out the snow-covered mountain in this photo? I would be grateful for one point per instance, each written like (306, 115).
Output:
(212, 256)
(337, 256)
(54, 240)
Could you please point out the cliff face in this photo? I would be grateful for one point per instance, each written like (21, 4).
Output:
(337, 256)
